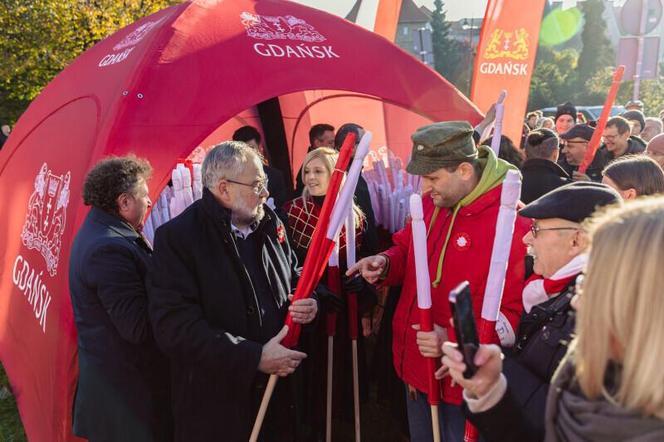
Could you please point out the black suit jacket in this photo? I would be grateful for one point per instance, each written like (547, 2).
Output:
(123, 379)
(276, 186)
(207, 319)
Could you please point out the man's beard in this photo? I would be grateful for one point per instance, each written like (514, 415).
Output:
(244, 215)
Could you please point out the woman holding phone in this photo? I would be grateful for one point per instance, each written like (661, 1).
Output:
(610, 385)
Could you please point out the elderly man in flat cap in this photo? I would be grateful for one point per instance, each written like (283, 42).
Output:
(558, 243)
(462, 186)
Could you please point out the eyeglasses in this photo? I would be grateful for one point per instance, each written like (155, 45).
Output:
(258, 187)
(536, 229)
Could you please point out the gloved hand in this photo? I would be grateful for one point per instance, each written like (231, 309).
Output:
(354, 284)
(329, 300)
(366, 293)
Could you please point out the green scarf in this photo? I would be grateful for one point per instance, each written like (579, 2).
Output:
(494, 170)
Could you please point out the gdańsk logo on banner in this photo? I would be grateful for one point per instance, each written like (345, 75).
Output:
(122, 50)
(271, 28)
(504, 46)
(44, 225)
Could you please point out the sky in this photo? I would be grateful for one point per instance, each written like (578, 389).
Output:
(456, 9)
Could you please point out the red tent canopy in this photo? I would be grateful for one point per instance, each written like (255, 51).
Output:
(159, 88)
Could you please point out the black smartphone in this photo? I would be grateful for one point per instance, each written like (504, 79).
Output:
(464, 326)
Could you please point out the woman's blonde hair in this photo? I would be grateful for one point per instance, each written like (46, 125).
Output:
(328, 157)
(621, 317)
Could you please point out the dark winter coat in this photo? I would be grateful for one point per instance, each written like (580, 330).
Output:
(541, 176)
(276, 185)
(123, 386)
(570, 415)
(207, 318)
(543, 338)
(603, 157)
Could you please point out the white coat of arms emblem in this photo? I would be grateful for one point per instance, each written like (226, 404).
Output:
(287, 27)
(47, 215)
(137, 35)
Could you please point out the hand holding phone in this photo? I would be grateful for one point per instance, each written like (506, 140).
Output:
(464, 326)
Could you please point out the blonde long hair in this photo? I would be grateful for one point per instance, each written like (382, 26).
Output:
(328, 157)
(621, 317)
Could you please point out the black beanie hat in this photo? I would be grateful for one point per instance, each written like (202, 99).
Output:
(566, 109)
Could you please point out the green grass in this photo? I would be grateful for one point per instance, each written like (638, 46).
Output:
(11, 429)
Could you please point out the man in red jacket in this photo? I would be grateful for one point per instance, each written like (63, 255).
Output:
(464, 184)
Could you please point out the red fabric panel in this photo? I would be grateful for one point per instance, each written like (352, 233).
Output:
(159, 88)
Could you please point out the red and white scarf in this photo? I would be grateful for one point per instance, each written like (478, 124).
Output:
(539, 289)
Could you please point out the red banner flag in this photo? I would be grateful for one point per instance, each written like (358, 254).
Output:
(595, 140)
(506, 59)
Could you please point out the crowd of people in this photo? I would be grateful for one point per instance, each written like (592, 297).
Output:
(177, 340)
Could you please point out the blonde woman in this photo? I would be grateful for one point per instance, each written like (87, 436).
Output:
(302, 212)
(610, 386)
(302, 217)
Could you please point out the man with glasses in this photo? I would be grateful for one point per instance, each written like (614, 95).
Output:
(575, 144)
(618, 140)
(557, 243)
(617, 143)
(223, 272)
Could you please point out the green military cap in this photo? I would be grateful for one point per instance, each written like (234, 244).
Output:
(440, 144)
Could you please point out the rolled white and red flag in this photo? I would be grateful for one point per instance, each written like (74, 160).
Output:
(498, 125)
(331, 217)
(322, 242)
(351, 299)
(423, 280)
(502, 244)
(334, 284)
(492, 320)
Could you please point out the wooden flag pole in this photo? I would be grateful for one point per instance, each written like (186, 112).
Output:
(353, 317)
(271, 383)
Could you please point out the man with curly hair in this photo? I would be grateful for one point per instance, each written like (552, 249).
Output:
(123, 392)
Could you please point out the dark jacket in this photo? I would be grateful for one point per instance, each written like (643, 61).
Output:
(541, 176)
(543, 338)
(603, 157)
(594, 170)
(570, 415)
(123, 381)
(276, 185)
(207, 318)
